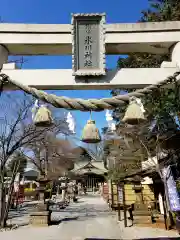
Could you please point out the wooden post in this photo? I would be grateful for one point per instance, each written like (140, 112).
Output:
(119, 212)
(119, 205)
(165, 215)
(166, 205)
(112, 195)
(124, 206)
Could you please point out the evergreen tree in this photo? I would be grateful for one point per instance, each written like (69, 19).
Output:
(161, 105)
(161, 102)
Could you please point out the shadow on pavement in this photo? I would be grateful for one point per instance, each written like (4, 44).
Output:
(17, 215)
(83, 208)
(22, 224)
(23, 211)
(69, 219)
(53, 223)
(57, 222)
(159, 238)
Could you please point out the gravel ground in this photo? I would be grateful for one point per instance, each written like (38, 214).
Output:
(87, 219)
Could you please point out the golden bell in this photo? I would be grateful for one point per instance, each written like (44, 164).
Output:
(90, 133)
(43, 117)
(134, 113)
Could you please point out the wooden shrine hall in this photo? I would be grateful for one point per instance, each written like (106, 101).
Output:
(89, 170)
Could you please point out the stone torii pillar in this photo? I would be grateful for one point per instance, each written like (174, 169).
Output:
(3, 55)
(175, 57)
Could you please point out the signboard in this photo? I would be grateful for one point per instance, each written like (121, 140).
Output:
(173, 196)
(88, 44)
(120, 194)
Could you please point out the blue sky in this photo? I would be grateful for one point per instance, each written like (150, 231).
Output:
(59, 11)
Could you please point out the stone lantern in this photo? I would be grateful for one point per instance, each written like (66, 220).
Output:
(41, 215)
(140, 208)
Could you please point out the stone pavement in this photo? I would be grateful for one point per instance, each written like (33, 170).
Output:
(87, 219)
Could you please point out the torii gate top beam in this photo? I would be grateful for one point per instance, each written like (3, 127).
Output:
(56, 39)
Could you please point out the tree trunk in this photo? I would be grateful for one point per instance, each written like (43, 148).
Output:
(8, 204)
(5, 206)
(2, 205)
(2, 194)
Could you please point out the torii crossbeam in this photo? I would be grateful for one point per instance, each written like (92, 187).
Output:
(56, 39)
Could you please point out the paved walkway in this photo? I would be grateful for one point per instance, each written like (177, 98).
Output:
(87, 219)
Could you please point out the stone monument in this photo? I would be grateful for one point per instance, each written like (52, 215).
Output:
(142, 213)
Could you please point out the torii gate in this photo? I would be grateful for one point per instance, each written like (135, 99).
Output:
(56, 39)
(44, 39)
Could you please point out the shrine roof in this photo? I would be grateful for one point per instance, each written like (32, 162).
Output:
(96, 167)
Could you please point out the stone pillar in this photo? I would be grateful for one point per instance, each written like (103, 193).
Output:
(175, 57)
(175, 54)
(3, 55)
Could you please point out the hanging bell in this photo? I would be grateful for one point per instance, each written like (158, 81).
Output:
(43, 117)
(90, 133)
(135, 112)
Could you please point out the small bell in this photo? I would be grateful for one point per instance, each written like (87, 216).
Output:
(135, 112)
(90, 133)
(43, 117)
